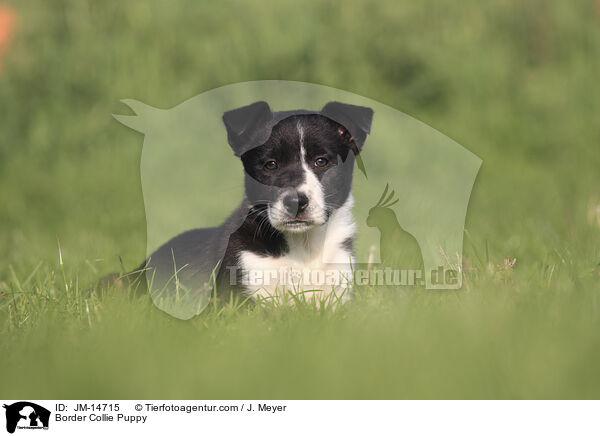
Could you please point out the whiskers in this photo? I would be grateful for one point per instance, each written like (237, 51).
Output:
(259, 213)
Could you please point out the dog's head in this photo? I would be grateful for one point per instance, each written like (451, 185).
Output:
(298, 164)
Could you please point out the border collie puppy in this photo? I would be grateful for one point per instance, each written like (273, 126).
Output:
(292, 233)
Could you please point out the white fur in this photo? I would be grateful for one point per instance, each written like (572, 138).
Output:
(311, 187)
(318, 251)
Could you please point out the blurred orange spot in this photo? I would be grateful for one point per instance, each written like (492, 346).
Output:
(8, 18)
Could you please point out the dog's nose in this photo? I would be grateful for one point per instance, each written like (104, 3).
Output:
(295, 203)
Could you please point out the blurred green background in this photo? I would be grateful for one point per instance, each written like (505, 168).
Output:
(514, 82)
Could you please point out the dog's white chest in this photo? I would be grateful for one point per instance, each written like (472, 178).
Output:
(318, 266)
(291, 276)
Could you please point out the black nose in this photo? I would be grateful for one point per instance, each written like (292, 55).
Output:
(295, 203)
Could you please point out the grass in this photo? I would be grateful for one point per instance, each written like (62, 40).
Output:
(514, 83)
(500, 337)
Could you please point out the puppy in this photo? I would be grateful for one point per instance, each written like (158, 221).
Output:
(293, 232)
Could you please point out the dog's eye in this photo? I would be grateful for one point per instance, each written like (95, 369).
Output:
(271, 165)
(321, 162)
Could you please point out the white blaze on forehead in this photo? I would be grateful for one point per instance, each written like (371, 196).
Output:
(301, 133)
(311, 187)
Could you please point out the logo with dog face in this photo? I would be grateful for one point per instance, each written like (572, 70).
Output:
(26, 415)
(403, 211)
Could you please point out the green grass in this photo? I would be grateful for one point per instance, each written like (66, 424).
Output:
(514, 83)
(500, 337)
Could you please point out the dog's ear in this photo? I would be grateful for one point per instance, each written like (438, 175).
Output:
(357, 119)
(247, 124)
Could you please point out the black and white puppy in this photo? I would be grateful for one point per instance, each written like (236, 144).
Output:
(293, 230)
